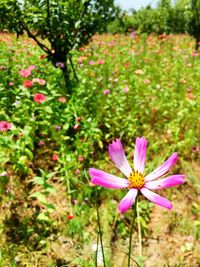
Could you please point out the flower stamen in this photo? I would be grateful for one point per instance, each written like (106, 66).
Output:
(136, 180)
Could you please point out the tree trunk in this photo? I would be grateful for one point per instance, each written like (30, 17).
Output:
(65, 72)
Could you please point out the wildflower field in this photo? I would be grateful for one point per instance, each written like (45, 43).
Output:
(52, 146)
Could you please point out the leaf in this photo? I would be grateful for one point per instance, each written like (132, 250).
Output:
(77, 24)
(28, 153)
(43, 217)
(39, 196)
(50, 207)
(38, 180)
(51, 190)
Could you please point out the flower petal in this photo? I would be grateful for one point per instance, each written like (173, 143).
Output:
(107, 180)
(155, 198)
(140, 154)
(166, 182)
(118, 157)
(128, 200)
(163, 169)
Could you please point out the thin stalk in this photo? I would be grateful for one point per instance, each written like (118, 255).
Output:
(96, 253)
(73, 69)
(100, 236)
(139, 231)
(131, 232)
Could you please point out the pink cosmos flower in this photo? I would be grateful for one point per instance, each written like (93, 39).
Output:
(39, 98)
(5, 126)
(136, 180)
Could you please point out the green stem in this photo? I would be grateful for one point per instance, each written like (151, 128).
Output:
(96, 254)
(131, 231)
(139, 231)
(100, 236)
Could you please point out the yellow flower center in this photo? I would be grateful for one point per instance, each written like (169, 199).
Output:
(136, 180)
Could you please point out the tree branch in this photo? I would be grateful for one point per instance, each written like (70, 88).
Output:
(31, 35)
(81, 17)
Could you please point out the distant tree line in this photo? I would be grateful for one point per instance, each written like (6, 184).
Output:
(180, 16)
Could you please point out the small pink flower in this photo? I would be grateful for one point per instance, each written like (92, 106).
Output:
(5, 126)
(55, 157)
(35, 80)
(81, 59)
(190, 238)
(106, 92)
(77, 126)
(40, 81)
(39, 98)
(125, 89)
(3, 174)
(127, 64)
(132, 34)
(74, 201)
(62, 99)
(57, 127)
(91, 62)
(77, 172)
(31, 67)
(101, 61)
(136, 180)
(25, 73)
(11, 83)
(195, 149)
(147, 81)
(41, 143)
(195, 53)
(27, 83)
(80, 158)
(60, 65)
